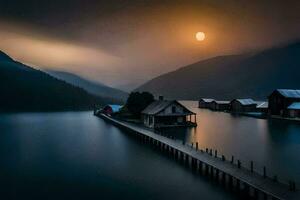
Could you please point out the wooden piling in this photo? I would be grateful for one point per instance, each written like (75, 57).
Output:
(230, 181)
(223, 178)
(238, 185)
(200, 167)
(223, 158)
(217, 175)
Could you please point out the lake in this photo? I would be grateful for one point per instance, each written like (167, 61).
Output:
(271, 143)
(75, 155)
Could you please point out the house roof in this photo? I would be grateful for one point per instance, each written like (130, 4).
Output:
(115, 107)
(207, 100)
(245, 101)
(222, 102)
(294, 106)
(262, 104)
(289, 93)
(159, 105)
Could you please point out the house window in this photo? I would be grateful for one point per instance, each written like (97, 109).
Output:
(150, 120)
(173, 109)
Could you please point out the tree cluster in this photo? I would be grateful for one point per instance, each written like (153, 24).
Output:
(138, 101)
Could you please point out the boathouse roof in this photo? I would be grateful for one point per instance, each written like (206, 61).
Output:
(245, 102)
(289, 93)
(294, 106)
(262, 104)
(207, 100)
(115, 108)
(159, 105)
(222, 102)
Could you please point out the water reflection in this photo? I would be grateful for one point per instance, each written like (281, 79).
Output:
(271, 143)
(79, 156)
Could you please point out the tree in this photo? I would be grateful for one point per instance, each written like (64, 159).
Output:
(137, 102)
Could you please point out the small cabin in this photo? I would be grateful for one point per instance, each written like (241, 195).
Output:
(293, 111)
(281, 99)
(220, 105)
(111, 109)
(243, 105)
(205, 103)
(165, 113)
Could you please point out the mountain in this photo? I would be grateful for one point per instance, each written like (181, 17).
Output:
(233, 76)
(98, 89)
(24, 88)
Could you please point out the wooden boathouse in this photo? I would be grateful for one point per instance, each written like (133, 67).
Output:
(243, 105)
(220, 105)
(166, 113)
(281, 99)
(230, 173)
(205, 103)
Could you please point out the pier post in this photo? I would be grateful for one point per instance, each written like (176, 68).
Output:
(176, 154)
(206, 169)
(181, 157)
(200, 166)
(232, 159)
(196, 146)
(246, 190)
(192, 145)
(265, 196)
(217, 175)
(238, 185)
(194, 163)
(239, 164)
(212, 169)
(216, 153)
(223, 178)
(223, 158)
(230, 181)
(251, 166)
(186, 159)
(265, 172)
(210, 152)
(206, 150)
(255, 193)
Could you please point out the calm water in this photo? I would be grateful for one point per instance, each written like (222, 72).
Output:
(75, 155)
(271, 143)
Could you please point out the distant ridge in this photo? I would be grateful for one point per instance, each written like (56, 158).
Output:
(4, 57)
(233, 76)
(24, 88)
(94, 88)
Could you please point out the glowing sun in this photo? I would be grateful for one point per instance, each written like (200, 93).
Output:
(200, 36)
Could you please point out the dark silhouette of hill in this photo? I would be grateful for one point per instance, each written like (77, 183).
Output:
(26, 89)
(233, 76)
(98, 89)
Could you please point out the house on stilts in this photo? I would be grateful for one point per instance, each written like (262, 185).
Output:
(167, 113)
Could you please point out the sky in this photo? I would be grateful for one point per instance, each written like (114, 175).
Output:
(124, 43)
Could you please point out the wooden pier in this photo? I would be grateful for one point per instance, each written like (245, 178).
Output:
(206, 162)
